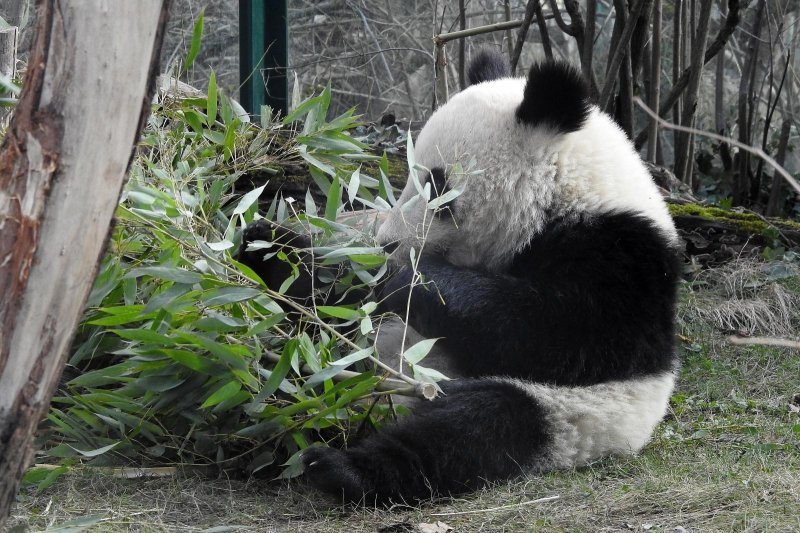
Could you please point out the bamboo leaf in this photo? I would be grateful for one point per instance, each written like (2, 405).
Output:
(197, 38)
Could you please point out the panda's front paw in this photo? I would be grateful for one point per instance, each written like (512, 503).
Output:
(334, 472)
(260, 230)
(266, 262)
(395, 291)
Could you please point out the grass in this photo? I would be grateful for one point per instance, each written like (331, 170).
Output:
(726, 458)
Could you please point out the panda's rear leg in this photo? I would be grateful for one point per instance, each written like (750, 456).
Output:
(481, 430)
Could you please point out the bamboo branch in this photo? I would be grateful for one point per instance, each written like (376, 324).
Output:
(424, 391)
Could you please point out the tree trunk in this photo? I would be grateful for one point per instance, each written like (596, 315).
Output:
(741, 187)
(62, 164)
(655, 81)
(683, 149)
(774, 207)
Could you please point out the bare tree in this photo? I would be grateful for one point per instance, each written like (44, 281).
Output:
(683, 160)
(741, 185)
(655, 80)
(58, 192)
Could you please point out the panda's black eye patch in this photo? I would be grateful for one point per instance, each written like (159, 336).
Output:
(439, 186)
(438, 181)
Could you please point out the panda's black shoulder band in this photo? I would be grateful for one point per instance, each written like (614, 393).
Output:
(556, 95)
(487, 65)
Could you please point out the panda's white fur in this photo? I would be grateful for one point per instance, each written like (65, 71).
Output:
(550, 281)
(594, 170)
(590, 422)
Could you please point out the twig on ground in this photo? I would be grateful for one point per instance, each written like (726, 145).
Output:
(501, 508)
(764, 341)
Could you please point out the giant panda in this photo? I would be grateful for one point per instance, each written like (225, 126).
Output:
(550, 282)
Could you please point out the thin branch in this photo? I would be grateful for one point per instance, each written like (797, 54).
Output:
(755, 151)
(478, 30)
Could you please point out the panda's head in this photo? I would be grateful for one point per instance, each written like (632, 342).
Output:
(518, 152)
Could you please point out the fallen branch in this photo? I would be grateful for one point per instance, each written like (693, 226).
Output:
(764, 341)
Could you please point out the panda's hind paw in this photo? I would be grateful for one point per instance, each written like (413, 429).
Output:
(335, 473)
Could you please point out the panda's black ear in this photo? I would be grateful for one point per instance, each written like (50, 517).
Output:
(487, 65)
(556, 95)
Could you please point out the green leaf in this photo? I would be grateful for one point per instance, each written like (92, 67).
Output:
(190, 359)
(211, 106)
(168, 273)
(348, 360)
(97, 451)
(280, 370)
(449, 196)
(197, 38)
(355, 183)
(338, 312)
(417, 353)
(323, 375)
(228, 295)
(248, 200)
(334, 200)
(369, 260)
(144, 335)
(224, 392)
(43, 477)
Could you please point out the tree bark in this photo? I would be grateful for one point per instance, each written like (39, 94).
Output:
(62, 165)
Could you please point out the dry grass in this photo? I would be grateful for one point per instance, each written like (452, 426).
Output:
(727, 458)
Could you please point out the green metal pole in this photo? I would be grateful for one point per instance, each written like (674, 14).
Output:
(263, 55)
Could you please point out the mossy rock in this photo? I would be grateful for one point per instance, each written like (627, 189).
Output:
(714, 235)
(748, 222)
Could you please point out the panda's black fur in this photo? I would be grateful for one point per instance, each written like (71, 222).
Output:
(558, 323)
